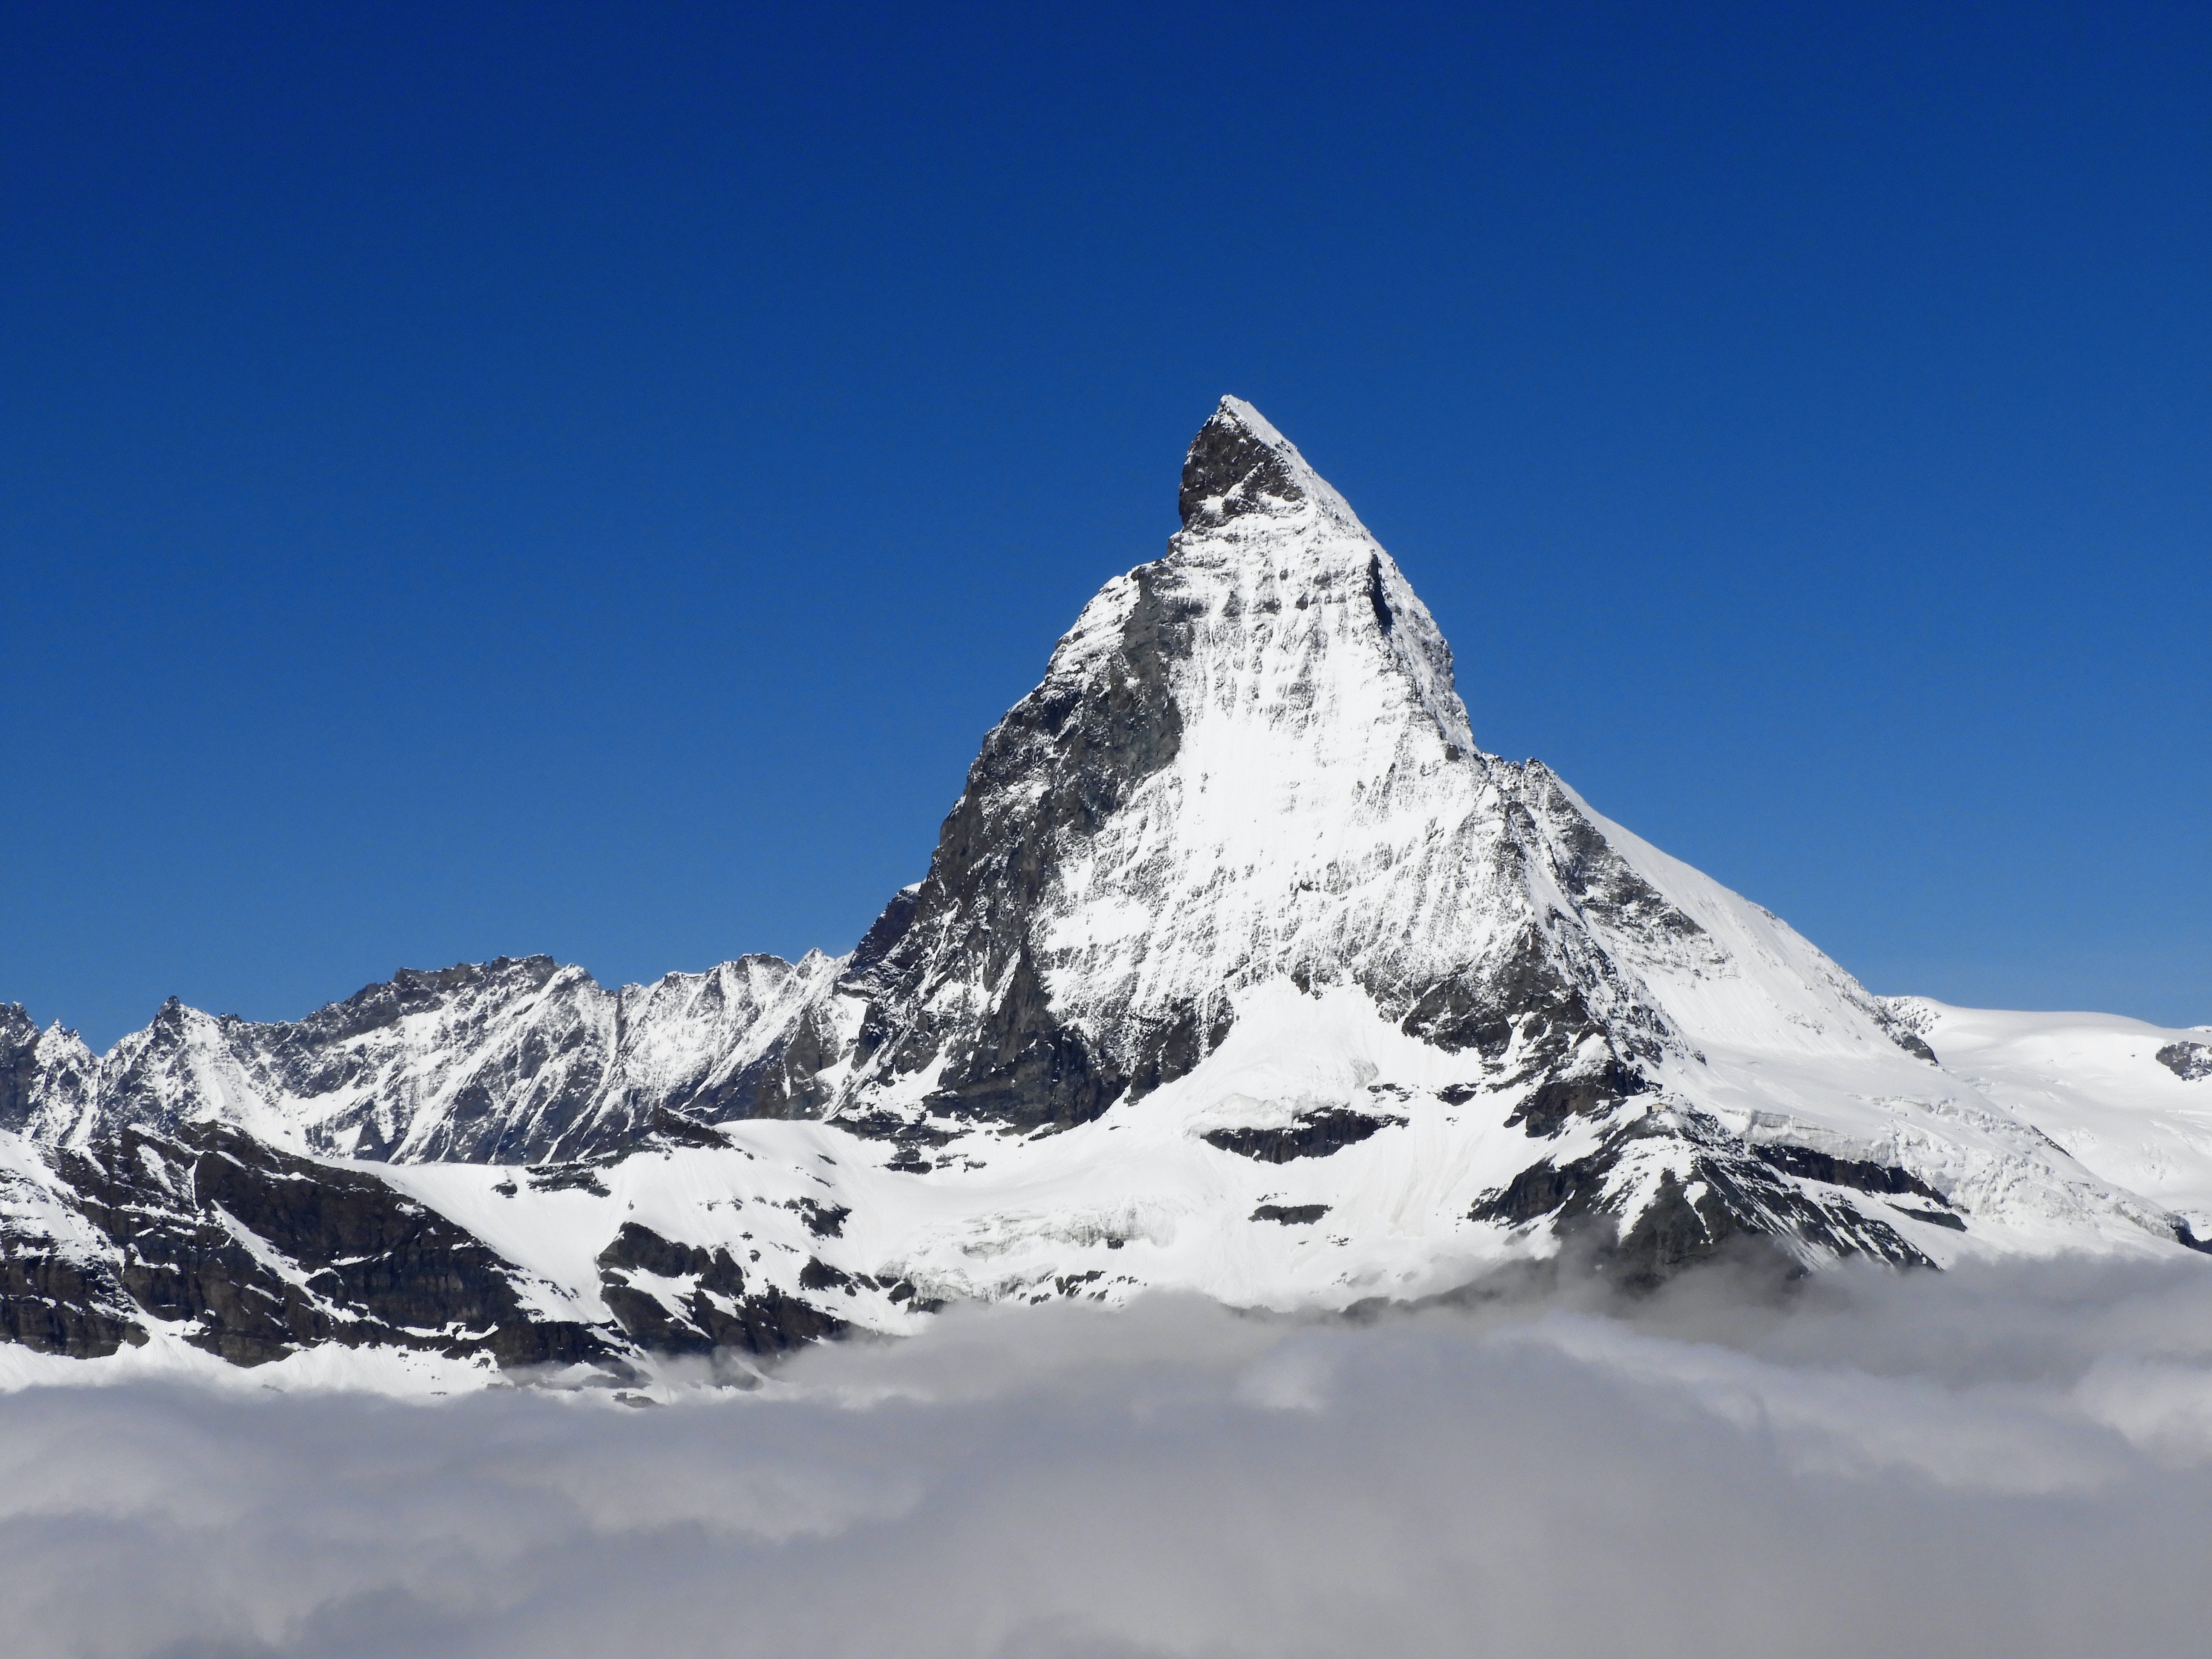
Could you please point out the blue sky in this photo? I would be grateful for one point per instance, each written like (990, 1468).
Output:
(481, 479)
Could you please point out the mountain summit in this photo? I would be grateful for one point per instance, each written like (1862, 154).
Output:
(1237, 757)
(1238, 967)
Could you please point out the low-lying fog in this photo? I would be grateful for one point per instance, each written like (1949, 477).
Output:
(2012, 1461)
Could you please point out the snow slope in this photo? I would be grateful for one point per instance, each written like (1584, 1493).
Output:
(2095, 1085)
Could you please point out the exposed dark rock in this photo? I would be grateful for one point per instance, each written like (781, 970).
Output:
(1524, 994)
(675, 1128)
(888, 1125)
(19, 1064)
(819, 1275)
(1545, 1109)
(2187, 1060)
(1861, 1177)
(1290, 1215)
(568, 1177)
(1025, 1069)
(1167, 1049)
(1378, 600)
(1690, 1217)
(715, 1311)
(1604, 885)
(1901, 1023)
(909, 1136)
(783, 1082)
(884, 934)
(1315, 1135)
(1229, 471)
(1678, 1229)
(54, 1303)
(1061, 762)
(197, 1217)
(640, 1246)
(1545, 1189)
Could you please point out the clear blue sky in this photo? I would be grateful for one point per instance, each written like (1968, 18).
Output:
(582, 479)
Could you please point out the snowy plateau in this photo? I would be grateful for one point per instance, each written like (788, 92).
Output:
(1239, 969)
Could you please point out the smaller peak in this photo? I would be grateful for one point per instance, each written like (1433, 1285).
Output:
(1238, 463)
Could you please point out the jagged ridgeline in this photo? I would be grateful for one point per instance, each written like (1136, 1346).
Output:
(1238, 966)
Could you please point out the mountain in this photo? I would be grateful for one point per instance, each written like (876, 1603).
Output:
(1238, 967)
(520, 1061)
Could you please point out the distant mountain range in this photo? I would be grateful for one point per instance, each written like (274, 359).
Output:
(1239, 968)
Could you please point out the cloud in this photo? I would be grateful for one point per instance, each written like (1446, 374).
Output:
(2013, 1460)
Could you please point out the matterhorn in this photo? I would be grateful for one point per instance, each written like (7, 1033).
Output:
(1239, 968)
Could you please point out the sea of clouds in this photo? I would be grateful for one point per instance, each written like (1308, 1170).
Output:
(2014, 1461)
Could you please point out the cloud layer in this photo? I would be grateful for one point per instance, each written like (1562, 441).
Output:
(2015, 1461)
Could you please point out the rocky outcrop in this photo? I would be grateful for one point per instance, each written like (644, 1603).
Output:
(2187, 1060)
(685, 1299)
(1309, 1134)
(253, 1253)
(1660, 1194)
(57, 1300)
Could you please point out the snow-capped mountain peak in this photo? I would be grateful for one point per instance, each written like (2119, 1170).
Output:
(1233, 928)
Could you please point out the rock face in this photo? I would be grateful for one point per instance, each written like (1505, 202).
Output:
(2187, 1060)
(1233, 923)
(253, 1254)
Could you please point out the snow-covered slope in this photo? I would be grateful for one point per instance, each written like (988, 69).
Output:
(2129, 1100)
(1238, 967)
